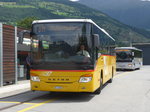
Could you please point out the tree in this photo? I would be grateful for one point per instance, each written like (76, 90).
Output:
(26, 22)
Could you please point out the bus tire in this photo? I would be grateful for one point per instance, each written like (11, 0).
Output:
(98, 91)
(111, 80)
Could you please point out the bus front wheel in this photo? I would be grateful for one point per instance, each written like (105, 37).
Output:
(111, 79)
(98, 91)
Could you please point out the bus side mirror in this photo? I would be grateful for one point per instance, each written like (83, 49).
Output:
(96, 40)
(21, 35)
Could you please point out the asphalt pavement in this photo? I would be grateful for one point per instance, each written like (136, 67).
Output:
(20, 87)
(129, 92)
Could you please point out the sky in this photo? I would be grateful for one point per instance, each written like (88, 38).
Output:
(140, 0)
(74, 0)
(78, 0)
(146, 0)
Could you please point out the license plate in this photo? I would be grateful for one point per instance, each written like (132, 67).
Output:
(122, 65)
(58, 87)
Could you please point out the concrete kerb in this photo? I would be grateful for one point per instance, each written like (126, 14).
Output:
(10, 90)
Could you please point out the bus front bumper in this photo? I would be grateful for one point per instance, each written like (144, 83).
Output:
(124, 65)
(62, 87)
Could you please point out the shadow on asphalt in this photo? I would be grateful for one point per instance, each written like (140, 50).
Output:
(40, 96)
(127, 70)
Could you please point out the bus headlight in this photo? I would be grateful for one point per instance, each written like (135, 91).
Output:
(86, 78)
(35, 78)
(129, 65)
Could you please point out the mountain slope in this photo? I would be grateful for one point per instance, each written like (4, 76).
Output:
(50, 9)
(132, 12)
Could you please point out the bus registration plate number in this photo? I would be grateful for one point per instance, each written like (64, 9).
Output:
(58, 87)
(122, 65)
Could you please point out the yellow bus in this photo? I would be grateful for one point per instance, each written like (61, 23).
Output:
(71, 55)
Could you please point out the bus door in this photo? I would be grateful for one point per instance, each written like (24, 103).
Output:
(106, 68)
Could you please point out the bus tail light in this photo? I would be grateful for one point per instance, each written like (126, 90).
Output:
(86, 78)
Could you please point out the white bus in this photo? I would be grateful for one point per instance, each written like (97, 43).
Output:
(129, 58)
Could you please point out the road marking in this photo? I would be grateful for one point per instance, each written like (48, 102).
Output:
(37, 105)
(16, 102)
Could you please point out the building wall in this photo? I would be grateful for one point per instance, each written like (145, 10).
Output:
(1, 54)
(146, 52)
(8, 54)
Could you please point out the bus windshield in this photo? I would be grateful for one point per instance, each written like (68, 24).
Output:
(56, 46)
(124, 55)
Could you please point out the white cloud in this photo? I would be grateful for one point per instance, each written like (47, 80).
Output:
(74, 0)
(145, 0)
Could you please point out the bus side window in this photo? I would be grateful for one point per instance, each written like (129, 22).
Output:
(112, 51)
(103, 50)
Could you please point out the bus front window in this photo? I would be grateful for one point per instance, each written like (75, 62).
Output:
(124, 56)
(55, 46)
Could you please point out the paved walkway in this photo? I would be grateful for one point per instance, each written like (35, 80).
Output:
(20, 87)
